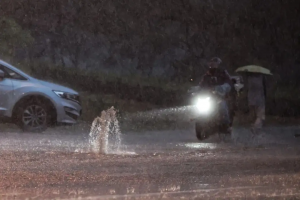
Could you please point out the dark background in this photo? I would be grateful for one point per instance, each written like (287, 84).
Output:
(147, 50)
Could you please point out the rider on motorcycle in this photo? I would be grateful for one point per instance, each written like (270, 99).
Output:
(218, 79)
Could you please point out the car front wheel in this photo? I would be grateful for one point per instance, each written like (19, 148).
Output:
(32, 116)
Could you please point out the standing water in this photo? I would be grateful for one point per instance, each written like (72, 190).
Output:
(105, 133)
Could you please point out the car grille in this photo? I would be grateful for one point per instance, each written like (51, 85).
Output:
(69, 111)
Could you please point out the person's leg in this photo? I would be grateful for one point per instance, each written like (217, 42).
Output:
(253, 117)
(225, 113)
(260, 116)
(231, 113)
(225, 120)
(258, 123)
(232, 109)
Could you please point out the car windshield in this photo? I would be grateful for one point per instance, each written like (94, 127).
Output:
(11, 74)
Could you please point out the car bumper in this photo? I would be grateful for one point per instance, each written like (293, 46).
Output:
(68, 112)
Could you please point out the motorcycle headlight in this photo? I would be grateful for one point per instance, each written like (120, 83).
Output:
(204, 105)
(69, 96)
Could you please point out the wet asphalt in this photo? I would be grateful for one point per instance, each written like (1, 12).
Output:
(169, 164)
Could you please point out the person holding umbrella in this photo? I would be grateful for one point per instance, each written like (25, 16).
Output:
(256, 86)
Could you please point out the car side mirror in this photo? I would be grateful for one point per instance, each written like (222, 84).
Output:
(2, 74)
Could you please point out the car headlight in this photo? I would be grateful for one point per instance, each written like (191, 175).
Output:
(69, 96)
(204, 105)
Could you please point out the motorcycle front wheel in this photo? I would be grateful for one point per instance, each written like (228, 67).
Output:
(200, 132)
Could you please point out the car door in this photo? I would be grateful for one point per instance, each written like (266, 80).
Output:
(6, 92)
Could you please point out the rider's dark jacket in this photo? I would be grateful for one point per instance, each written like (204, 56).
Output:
(217, 76)
(214, 77)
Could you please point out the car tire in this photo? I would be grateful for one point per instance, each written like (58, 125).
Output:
(32, 116)
(200, 132)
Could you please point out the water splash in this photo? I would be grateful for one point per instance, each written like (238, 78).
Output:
(105, 133)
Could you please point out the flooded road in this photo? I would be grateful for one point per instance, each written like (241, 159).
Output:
(59, 164)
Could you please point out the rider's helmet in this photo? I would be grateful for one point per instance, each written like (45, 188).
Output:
(214, 64)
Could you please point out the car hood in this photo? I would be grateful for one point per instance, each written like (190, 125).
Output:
(57, 87)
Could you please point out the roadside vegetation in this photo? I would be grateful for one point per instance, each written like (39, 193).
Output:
(142, 57)
(131, 95)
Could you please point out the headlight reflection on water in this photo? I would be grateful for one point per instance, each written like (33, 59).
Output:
(201, 145)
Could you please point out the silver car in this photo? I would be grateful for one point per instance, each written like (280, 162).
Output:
(35, 104)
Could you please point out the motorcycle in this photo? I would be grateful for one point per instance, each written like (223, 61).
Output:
(211, 111)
